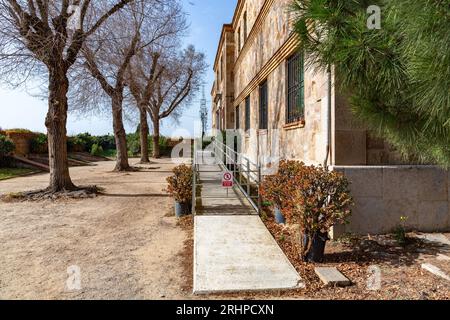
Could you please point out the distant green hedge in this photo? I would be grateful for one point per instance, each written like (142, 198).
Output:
(134, 144)
(6, 146)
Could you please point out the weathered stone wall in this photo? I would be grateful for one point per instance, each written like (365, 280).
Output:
(263, 57)
(262, 46)
(228, 51)
(305, 142)
(224, 82)
(383, 194)
(22, 142)
(354, 144)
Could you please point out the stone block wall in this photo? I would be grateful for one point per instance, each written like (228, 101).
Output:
(22, 142)
(384, 194)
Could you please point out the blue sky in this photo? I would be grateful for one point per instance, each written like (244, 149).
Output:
(20, 110)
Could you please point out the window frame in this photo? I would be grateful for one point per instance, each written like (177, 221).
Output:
(295, 88)
(263, 115)
(247, 113)
(239, 39)
(245, 26)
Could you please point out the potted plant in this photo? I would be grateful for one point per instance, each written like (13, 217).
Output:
(315, 199)
(271, 192)
(276, 188)
(180, 188)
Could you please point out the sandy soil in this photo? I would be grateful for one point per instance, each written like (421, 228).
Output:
(126, 243)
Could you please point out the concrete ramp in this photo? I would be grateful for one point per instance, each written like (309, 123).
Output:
(32, 163)
(238, 253)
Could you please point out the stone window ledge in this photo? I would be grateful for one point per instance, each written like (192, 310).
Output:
(262, 132)
(294, 125)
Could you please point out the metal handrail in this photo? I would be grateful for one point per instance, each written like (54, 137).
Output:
(241, 164)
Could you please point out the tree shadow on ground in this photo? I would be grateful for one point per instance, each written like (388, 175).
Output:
(388, 251)
(137, 195)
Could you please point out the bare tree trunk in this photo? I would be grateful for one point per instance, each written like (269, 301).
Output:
(119, 133)
(144, 135)
(156, 151)
(56, 129)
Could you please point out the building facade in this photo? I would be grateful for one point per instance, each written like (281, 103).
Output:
(283, 109)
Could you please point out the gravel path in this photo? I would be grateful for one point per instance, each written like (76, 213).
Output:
(125, 243)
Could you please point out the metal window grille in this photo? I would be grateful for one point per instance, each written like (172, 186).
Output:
(263, 106)
(245, 26)
(247, 113)
(295, 107)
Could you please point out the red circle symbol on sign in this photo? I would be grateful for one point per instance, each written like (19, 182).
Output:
(227, 176)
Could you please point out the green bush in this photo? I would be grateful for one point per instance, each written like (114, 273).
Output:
(96, 150)
(107, 142)
(133, 144)
(6, 146)
(39, 144)
(81, 143)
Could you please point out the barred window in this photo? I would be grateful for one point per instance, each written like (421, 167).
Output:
(218, 120)
(245, 26)
(239, 39)
(263, 106)
(295, 106)
(247, 113)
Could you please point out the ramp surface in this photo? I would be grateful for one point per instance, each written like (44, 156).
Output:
(238, 253)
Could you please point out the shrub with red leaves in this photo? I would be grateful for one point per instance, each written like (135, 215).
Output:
(311, 197)
(180, 184)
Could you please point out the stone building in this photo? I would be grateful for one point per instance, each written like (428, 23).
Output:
(281, 109)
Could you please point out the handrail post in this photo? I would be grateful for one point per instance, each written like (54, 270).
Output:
(248, 177)
(194, 179)
(234, 166)
(259, 193)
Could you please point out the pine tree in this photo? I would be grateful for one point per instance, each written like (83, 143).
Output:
(398, 77)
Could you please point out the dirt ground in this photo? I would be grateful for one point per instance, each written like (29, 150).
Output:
(399, 266)
(126, 243)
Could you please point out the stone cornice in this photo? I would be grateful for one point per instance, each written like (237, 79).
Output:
(237, 13)
(226, 28)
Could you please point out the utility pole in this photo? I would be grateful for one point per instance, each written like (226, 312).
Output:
(203, 113)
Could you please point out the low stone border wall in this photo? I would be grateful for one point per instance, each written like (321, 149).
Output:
(383, 194)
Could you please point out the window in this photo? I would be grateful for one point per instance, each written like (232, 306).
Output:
(245, 26)
(239, 39)
(295, 107)
(221, 68)
(247, 113)
(263, 106)
(236, 119)
(218, 121)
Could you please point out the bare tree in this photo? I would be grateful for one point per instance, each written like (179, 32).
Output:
(51, 33)
(164, 82)
(107, 56)
(107, 61)
(141, 80)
